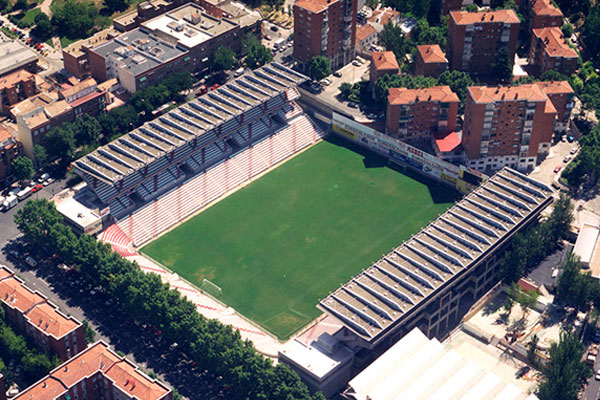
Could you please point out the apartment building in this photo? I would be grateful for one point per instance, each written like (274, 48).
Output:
(383, 16)
(507, 126)
(36, 115)
(15, 87)
(184, 39)
(97, 373)
(430, 61)
(550, 51)
(562, 96)
(417, 114)
(474, 39)
(75, 56)
(544, 14)
(382, 63)
(14, 56)
(325, 28)
(33, 314)
(10, 148)
(366, 36)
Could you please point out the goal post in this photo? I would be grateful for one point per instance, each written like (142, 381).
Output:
(211, 288)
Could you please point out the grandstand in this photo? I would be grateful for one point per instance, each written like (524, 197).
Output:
(251, 119)
(422, 281)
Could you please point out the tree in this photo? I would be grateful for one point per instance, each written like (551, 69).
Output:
(43, 27)
(119, 121)
(502, 66)
(574, 288)
(115, 5)
(392, 38)
(567, 30)
(258, 55)
(90, 333)
(406, 81)
(74, 19)
(591, 31)
(86, 130)
(22, 168)
(532, 350)
(565, 372)
(4, 4)
(319, 68)
(36, 220)
(223, 59)
(458, 81)
(345, 89)
(20, 5)
(60, 142)
(372, 4)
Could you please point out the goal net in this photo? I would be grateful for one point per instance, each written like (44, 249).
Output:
(210, 288)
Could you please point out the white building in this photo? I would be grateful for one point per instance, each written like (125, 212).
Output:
(420, 368)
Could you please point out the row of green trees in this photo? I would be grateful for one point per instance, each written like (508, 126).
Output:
(528, 248)
(211, 345)
(87, 132)
(14, 346)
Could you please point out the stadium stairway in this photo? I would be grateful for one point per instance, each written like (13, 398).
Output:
(201, 190)
(119, 241)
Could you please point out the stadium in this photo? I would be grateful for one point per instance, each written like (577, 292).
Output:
(203, 192)
(197, 190)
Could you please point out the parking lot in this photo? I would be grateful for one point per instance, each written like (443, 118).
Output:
(545, 171)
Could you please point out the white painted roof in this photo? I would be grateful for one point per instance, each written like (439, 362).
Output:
(419, 368)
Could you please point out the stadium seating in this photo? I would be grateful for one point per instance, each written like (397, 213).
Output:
(203, 189)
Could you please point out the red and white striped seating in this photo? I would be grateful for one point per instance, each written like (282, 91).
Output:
(205, 188)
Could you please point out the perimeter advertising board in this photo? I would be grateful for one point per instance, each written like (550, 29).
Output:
(462, 178)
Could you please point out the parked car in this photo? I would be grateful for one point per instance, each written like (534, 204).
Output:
(557, 169)
(567, 159)
(372, 116)
(352, 105)
(274, 28)
(31, 261)
(37, 187)
(48, 181)
(356, 63)
(574, 150)
(215, 86)
(267, 37)
(570, 139)
(43, 177)
(337, 74)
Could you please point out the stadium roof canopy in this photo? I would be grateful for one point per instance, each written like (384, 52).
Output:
(391, 289)
(163, 135)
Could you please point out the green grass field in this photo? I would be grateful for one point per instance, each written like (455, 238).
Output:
(282, 243)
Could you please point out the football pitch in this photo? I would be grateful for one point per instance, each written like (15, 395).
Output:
(288, 239)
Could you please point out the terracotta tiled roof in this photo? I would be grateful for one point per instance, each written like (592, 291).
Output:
(383, 16)
(468, 18)
(70, 91)
(314, 6)
(97, 359)
(447, 142)
(384, 60)
(364, 31)
(14, 294)
(529, 92)
(408, 96)
(4, 136)
(46, 318)
(556, 87)
(11, 79)
(554, 43)
(432, 53)
(545, 7)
